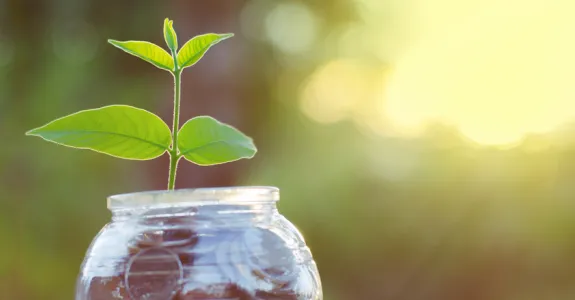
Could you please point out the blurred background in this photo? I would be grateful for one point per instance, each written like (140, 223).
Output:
(426, 149)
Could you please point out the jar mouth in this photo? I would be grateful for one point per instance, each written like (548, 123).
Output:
(191, 197)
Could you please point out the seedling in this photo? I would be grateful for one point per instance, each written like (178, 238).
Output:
(132, 133)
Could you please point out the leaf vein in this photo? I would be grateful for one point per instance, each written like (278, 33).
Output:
(105, 132)
(211, 144)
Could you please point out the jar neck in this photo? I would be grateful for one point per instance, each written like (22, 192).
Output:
(197, 212)
(200, 204)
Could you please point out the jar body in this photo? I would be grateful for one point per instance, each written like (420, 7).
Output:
(200, 250)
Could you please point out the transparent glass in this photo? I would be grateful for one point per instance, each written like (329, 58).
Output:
(216, 243)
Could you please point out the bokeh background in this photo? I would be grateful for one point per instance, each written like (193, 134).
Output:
(425, 148)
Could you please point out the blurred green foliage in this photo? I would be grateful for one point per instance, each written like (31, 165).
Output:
(432, 217)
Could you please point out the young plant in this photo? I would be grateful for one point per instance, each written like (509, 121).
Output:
(131, 133)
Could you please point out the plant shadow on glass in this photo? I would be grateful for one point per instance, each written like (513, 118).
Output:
(131, 133)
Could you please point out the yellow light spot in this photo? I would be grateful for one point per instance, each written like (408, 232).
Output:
(506, 70)
(292, 27)
(334, 91)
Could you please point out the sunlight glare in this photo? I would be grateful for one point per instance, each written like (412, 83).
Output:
(506, 71)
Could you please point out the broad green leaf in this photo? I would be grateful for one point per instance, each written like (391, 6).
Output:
(118, 130)
(206, 141)
(170, 35)
(147, 51)
(195, 48)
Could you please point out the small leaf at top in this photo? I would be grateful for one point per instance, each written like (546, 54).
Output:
(147, 51)
(170, 35)
(195, 48)
(118, 130)
(206, 141)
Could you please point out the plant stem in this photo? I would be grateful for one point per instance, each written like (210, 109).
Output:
(174, 158)
(174, 155)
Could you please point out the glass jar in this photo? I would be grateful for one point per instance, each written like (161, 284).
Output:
(212, 243)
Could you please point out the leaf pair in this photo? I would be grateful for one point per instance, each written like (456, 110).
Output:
(132, 133)
(190, 54)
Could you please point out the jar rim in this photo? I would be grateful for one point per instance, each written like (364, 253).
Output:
(196, 196)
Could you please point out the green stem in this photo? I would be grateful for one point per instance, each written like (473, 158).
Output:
(174, 153)
(174, 158)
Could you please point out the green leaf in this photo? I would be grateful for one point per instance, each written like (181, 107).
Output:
(206, 141)
(195, 48)
(147, 51)
(118, 130)
(170, 35)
